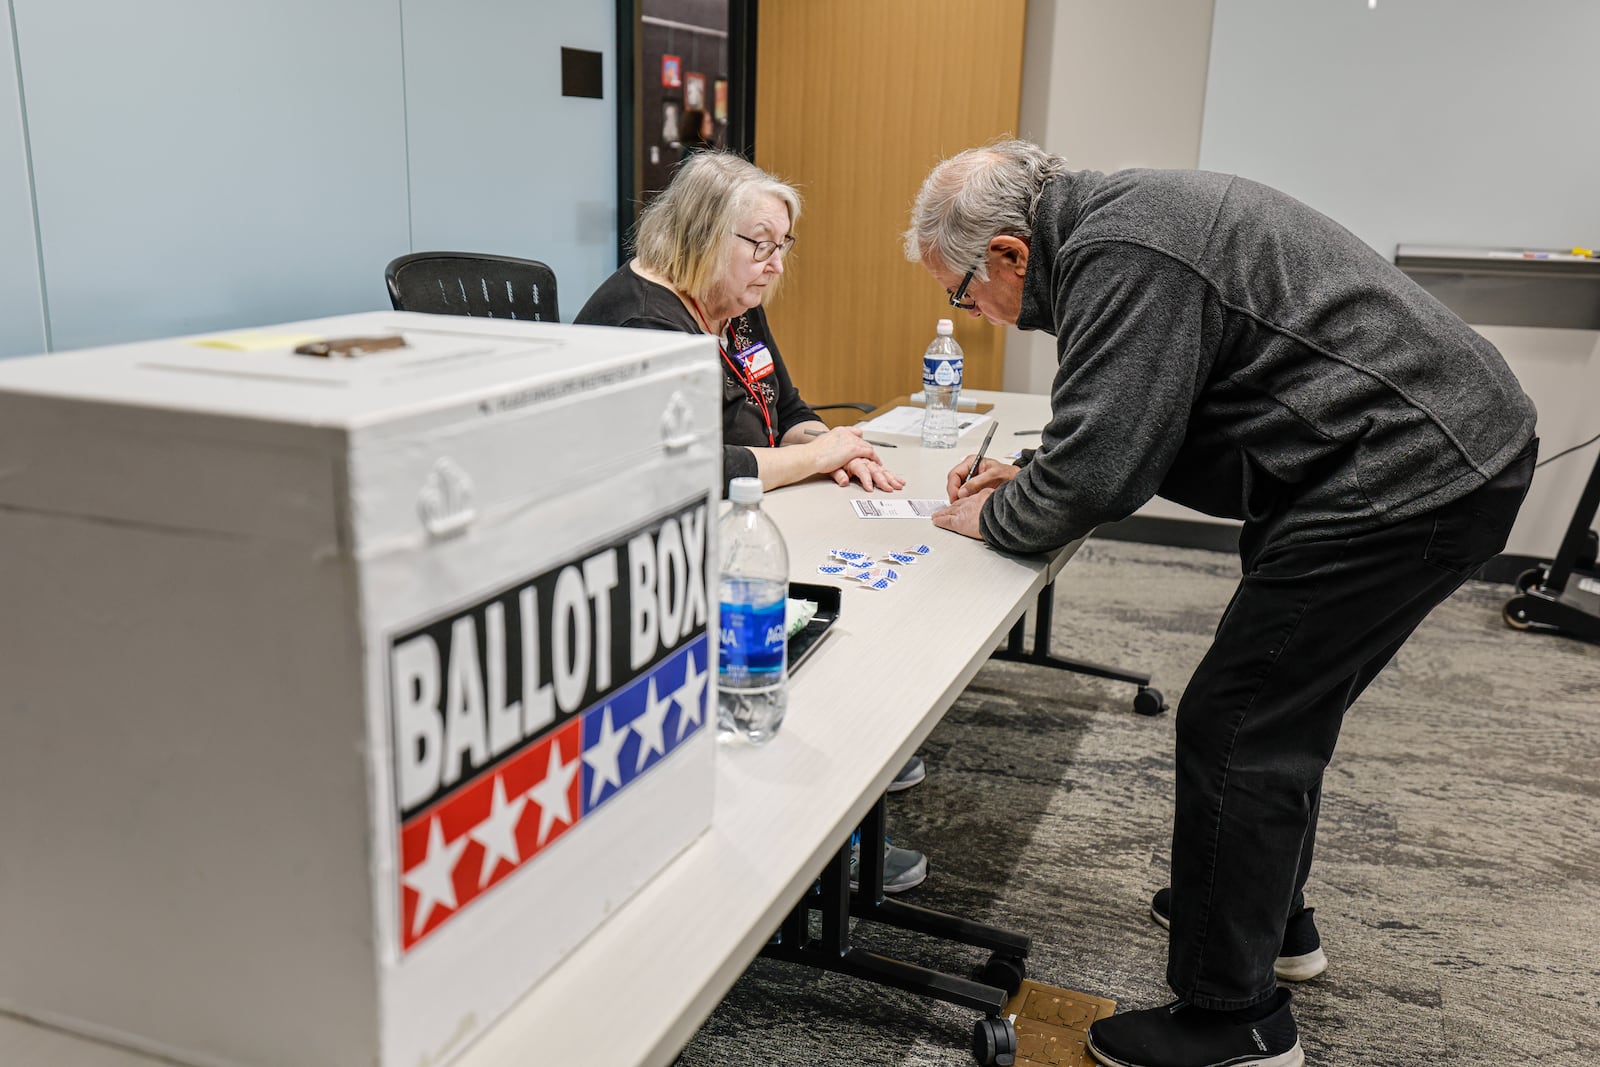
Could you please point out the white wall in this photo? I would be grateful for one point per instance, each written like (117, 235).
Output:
(1560, 371)
(1467, 122)
(198, 166)
(1444, 122)
(1108, 84)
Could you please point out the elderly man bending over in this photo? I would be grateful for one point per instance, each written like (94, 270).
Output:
(1229, 348)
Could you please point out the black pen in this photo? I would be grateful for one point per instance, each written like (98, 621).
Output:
(874, 444)
(977, 460)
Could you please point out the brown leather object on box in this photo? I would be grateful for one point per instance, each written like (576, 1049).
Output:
(350, 346)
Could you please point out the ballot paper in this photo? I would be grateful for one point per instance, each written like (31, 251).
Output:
(894, 508)
(906, 421)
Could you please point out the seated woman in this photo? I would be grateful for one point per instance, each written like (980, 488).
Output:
(710, 248)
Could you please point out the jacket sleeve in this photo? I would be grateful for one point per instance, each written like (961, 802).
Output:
(737, 462)
(1133, 350)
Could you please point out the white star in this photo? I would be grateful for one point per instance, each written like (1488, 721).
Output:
(648, 726)
(551, 793)
(498, 833)
(432, 878)
(603, 757)
(689, 695)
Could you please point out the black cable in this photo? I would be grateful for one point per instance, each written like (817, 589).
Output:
(1564, 451)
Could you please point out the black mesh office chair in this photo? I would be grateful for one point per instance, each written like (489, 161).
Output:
(467, 283)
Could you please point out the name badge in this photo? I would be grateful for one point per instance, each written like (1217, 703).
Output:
(757, 361)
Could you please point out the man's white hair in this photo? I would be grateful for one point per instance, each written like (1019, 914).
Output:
(974, 196)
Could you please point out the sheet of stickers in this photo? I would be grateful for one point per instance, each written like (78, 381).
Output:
(870, 571)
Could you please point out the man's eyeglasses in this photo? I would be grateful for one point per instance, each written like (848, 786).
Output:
(959, 299)
(765, 249)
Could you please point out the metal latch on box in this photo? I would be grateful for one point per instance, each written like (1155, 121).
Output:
(445, 502)
(677, 423)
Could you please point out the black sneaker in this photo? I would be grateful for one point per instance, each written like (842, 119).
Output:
(1301, 957)
(1180, 1035)
(913, 772)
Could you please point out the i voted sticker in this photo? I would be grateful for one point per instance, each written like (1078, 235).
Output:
(874, 573)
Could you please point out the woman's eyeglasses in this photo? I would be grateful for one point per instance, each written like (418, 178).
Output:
(765, 249)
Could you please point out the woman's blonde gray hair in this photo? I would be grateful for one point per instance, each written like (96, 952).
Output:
(975, 196)
(685, 234)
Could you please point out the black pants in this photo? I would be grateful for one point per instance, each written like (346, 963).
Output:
(1309, 627)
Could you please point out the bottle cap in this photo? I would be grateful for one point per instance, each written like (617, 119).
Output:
(745, 490)
(946, 327)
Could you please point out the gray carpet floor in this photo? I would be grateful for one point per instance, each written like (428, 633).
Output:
(1458, 861)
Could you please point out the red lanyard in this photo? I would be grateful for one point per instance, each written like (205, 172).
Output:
(740, 372)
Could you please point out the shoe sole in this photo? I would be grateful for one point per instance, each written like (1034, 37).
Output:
(1301, 968)
(900, 785)
(909, 879)
(1293, 1058)
(1289, 968)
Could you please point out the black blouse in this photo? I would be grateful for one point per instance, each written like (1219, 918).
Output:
(626, 299)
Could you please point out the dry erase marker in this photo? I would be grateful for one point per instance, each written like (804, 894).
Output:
(977, 460)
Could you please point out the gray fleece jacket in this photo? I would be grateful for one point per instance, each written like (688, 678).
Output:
(1231, 349)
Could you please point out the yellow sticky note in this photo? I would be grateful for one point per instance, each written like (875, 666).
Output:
(257, 341)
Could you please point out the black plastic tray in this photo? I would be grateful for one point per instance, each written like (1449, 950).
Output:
(827, 599)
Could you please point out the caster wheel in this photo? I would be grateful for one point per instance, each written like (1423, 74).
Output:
(994, 1042)
(1514, 615)
(1530, 578)
(1004, 971)
(1148, 701)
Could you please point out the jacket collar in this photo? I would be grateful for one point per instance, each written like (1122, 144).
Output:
(1060, 208)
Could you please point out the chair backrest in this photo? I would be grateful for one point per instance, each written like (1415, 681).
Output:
(465, 283)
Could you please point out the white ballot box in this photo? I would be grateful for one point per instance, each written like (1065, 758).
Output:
(341, 697)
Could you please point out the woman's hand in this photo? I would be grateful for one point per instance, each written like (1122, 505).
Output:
(837, 448)
(870, 474)
(990, 474)
(848, 455)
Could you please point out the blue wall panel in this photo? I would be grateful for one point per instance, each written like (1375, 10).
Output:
(202, 166)
(500, 161)
(21, 308)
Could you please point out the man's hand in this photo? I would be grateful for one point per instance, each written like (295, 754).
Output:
(990, 474)
(962, 516)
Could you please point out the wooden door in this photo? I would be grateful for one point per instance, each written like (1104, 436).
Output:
(856, 100)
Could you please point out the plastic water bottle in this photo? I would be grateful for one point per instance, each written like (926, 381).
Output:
(752, 666)
(941, 388)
